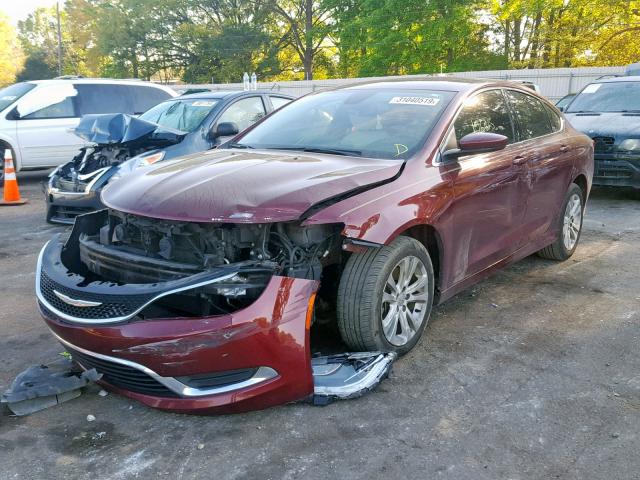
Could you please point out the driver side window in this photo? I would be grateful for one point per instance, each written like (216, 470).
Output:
(244, 113)
(486, 112)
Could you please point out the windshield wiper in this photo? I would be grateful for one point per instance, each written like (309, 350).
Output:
(239, 145)
(330, 151)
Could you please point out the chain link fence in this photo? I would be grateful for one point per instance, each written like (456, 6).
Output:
(554, 83)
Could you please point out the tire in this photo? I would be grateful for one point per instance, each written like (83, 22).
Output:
(569, 227)
(365, 296)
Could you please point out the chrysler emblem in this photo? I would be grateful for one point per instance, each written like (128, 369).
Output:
(75, 302)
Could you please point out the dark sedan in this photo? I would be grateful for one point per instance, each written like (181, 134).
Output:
(196, 288)
(122, 143)
(608, 111)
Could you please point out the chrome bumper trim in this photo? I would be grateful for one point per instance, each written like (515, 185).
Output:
(262, 375)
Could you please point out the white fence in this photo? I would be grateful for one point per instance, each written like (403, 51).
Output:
(554, 83)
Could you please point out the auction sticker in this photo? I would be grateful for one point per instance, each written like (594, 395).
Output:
(203, 103)
(426, 101)
(593, 88)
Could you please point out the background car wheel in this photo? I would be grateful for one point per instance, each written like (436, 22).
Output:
(2, 149)
(385, 297)
(570, 227)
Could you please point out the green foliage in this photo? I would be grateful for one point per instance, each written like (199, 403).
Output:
(201, 41)
(11, 56)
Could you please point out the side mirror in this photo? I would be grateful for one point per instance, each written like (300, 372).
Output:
(225, 129)
(560, 108)
(475, 143)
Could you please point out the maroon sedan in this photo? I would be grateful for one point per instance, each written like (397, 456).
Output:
(195, 289)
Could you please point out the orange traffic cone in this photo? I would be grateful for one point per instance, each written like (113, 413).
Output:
(11, 192)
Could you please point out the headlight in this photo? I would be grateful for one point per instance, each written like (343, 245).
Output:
(630, 145)
(144, 160)
(138, 161)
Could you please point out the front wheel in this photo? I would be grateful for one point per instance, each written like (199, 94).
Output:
(385, 297)
(569, 228)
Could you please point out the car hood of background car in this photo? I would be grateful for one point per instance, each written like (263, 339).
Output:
(120, 128)
(616, 124)
(254, 186)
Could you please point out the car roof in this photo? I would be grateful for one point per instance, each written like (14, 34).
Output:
(629, 78)
(452, 84)
(219, 94)
(107, 81)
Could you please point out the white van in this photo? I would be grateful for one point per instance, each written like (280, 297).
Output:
(36, 117)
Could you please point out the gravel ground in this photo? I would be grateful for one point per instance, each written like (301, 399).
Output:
(531, 374)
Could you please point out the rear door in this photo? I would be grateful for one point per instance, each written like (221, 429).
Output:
(46, 115)
(489, 192)
(549, 160)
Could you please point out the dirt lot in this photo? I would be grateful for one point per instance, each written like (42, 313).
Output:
(532, 374)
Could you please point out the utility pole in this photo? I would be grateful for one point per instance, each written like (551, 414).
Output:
(59, 40)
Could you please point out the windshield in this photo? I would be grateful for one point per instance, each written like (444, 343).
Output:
(185, 115)
(12, 93)
(377, 123)
(607, 97)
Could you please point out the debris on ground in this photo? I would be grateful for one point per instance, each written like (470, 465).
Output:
(91, 418)
(348, 375)
(43, 386)
(103, 393)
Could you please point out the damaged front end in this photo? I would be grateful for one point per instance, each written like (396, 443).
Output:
(193, 317)
(74, 188)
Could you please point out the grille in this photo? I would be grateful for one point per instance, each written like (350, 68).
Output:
(122, 376)
(112, 305)
(70, 212)
(68, 185)
(603, 144)
(613, 172)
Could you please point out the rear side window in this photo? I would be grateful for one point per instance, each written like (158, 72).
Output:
(485, 112)
(554, 118)
(103, 98)
(111, 98)
(144, 98)
(244, 113)
(278, 102)
(531, 115)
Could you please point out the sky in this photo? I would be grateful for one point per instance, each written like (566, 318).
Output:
(19, 9)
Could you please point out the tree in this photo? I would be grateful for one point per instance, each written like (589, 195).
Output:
(306, 28)
(11, 56)
(375, 37)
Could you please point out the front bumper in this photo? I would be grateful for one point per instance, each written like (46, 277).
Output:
(64, 205)
(250, 359)
(611, 170)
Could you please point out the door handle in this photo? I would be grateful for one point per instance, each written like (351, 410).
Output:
(564, 149)
(519, 160)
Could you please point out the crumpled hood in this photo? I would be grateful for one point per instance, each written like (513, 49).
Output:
(242, 186)
(616, 125)
(120, 128)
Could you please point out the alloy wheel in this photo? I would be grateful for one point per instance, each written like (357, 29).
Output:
(405, 301)
(572, 222)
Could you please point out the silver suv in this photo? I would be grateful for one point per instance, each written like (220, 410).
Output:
(36, 118)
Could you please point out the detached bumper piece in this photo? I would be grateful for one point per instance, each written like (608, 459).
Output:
(44, 386)
(348, 375)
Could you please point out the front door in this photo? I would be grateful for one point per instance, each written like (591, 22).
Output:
(43, 122)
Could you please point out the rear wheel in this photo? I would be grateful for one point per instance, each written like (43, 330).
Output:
(569, 228)
(385, 297)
